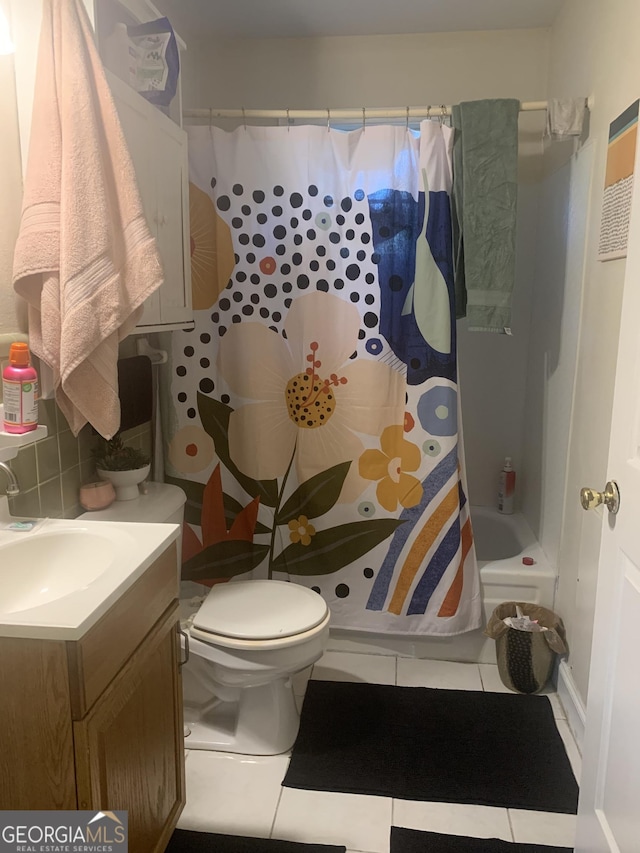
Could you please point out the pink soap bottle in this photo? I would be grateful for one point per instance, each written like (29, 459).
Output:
(507, 488)
(20, 391)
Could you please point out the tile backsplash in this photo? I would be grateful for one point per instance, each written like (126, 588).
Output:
(51, 471)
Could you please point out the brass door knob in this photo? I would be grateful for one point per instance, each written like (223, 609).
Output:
(590, 498)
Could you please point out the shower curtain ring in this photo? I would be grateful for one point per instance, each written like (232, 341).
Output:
(364, 120)
(443, 112)
(210, 117)
(328, 119)
(244, 119)
(429, 112)
(288, 121)
(407, 125)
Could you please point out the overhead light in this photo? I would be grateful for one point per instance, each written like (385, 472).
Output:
(6, 45)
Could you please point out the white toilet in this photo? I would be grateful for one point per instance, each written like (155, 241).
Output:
(246, 641)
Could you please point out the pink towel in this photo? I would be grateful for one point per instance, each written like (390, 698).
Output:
(85, 259)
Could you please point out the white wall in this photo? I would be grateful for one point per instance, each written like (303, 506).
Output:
(593, 50)
(10, 197)
(353, 71)
(25, 17)
(555, 322)
(412, 70)
(26, 24)
(492, 372)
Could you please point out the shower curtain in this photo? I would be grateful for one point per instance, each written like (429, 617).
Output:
(314, 408)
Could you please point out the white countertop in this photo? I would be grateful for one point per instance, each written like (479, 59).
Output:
(123, 551)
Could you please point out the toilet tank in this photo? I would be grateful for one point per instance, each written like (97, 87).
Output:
(161, 504)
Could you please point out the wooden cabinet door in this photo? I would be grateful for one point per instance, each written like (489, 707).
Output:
(129, 748)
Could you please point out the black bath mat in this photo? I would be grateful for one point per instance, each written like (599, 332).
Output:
(187, 841)
(416, 743)
(412, 841)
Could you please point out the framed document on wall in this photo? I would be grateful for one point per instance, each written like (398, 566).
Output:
(618, 185)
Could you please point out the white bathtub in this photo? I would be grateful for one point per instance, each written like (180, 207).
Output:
(501, 543)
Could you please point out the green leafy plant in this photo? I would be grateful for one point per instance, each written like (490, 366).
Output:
(321, 552)
(112, 455)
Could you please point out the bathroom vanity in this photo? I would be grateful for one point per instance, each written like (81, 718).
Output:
(91, 714)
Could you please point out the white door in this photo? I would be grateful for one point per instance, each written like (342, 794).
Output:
(609, 810)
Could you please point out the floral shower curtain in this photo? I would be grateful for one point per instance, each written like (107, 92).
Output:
(315, 424)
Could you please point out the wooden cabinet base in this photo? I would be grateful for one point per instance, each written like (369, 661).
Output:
(125, 749)
(127, 744)
(36, 735)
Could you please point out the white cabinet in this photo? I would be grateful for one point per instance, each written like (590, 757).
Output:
(158, 148)
(159, 152)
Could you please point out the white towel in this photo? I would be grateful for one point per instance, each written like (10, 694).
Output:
(85, 259)
(565, 117)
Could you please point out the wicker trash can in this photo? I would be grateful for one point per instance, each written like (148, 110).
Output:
(525, 658)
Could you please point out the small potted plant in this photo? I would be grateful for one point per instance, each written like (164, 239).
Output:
(124, 467)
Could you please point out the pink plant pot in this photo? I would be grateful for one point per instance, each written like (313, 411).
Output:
(95, 496)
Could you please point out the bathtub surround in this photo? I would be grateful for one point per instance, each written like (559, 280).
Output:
(492, 367)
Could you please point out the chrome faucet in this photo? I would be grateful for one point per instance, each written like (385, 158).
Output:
(13, 488)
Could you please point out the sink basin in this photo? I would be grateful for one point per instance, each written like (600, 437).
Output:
(57, 580)
(50, 566)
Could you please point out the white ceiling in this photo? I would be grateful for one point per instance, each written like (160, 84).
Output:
(299, 18)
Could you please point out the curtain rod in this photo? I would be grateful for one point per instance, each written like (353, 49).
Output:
(361, 114)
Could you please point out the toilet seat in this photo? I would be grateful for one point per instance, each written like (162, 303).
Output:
(210, 638)
(260, 610)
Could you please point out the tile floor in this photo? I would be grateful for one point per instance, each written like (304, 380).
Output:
(242, 795)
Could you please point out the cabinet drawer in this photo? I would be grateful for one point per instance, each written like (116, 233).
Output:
(96, 658)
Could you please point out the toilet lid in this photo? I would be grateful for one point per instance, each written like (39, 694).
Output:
(260, 610)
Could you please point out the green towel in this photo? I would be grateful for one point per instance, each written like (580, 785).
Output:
(457, 195)
(484, 200)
